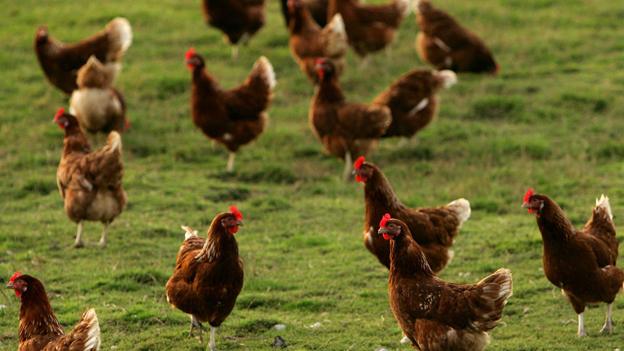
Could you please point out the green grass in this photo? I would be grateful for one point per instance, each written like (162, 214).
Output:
(552, 119)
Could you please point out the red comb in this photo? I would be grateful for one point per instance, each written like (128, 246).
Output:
(528, 195)
(384, 220)
(15, 276)
(236, 213)
(59, 113)
(358, 163)
(190, 53)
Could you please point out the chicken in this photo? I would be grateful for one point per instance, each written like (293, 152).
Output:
(433, 314)
(39, 330)
(433, 228)
(309, 42)
(445, 44)
(237, 19)
(316, 8)
(580, 262)
(98, 106)
(60, 62)
(89, 181)
(412, 100)
(345, 129)
(209, 274)
(370, 28)
(231, 117)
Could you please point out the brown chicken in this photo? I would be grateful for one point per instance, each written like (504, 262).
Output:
(89, 181)
(345, 129)
(446, 44)
(433, 314)
(370, 28)
(433, 228)
(237, 19)
(316, 8)
(39, 330)
(60, 62)
(309, 42)
(231, 117)
(209, 274)
(580, 262)
(98, 106)
(412, 100)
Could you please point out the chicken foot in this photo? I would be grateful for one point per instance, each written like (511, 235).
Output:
(347, 173)
(212, 345)
(230, 164)
(581, 325)
(104, 234)
(195, 324)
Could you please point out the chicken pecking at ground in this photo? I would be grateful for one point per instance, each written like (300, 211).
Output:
(237, 19)
(98, 106)
(369, 28)
(308, 41)
(89, 181)
(580, 262)
(433, 314)
(345, 129)
(39, 330)
(446, 44)
(232, 117)
(412, 100)
(316, 8)
(209, 274)
(60, 62)
(434, 229)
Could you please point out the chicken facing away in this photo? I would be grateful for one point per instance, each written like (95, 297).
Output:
(345, 129)
(89, 181)
(60, 61)
(239, 20)
(413, 101)
(98, 106)
(582, 263)
(446, 44)
(308, 41)
(209, 274)
(232, 117)
(433, 314)
(434, 229)
(39, 330)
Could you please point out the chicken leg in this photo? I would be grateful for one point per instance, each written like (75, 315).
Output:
(195, 324)
(213, 343)
(104, 234)
(78, 242)
(608, 326)
(581, 325)
(230, 164)
(235, 52)
(346, 174)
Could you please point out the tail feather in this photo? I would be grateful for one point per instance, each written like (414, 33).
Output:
(603, 203)
(264, 68)
(190, 232)
(336, 37)
(114, 141)
(492, 294)
(86, 334)
(448, 77)
(403, 6)
(461, 207)
(121, 34)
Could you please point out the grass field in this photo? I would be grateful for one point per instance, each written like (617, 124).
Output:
(552, 120)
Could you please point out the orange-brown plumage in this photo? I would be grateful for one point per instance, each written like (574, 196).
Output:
(446, 44)
(345, 129)
(433, 314)
(580, 262)
(232, 117)
(316, 8)
(237, 19)
(60, 61)
(209, 273)
(39, 330)
(434, 229)
(413, 101)
(90, 182)
(308, 41)
(369, 28)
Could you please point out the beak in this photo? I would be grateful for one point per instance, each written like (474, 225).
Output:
(9, 285)
(239, 223)
(354, 172)
(382, 230)
(526, 205)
